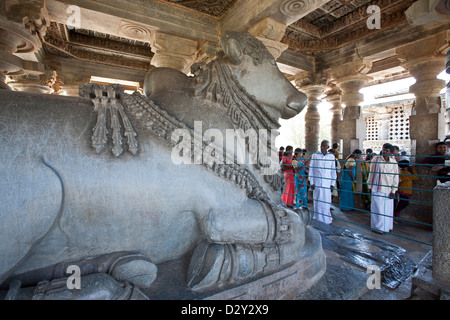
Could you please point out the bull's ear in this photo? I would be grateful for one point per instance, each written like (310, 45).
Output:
(233, 51)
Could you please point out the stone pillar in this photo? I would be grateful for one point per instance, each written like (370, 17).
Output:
(425, 59)
(334, 98)
(427, 122)
(173, 52)
(313, 85)
(312, 116)
(441, 227)
(353, 127)
(427, 127)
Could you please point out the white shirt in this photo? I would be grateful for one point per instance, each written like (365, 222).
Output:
(322, 172)
(387, 179)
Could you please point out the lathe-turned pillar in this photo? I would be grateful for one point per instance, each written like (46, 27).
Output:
(352, 129)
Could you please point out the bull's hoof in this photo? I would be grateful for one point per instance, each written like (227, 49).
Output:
(208, 265)
(214, 264)
(140, 273)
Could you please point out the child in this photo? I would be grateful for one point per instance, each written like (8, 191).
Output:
(407, 176)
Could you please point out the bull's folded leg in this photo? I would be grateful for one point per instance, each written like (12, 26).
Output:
(137, 271)
(118, 275)
(217, 264)
(271, 241)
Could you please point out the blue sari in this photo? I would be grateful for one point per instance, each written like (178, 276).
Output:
(301, 190)
(346, 195)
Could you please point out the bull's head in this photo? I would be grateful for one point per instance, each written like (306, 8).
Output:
(255, 69)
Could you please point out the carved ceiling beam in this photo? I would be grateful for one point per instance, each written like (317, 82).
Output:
(390, 10)
(379, 47)
(267, 20)
(245, 14)
(137, 19)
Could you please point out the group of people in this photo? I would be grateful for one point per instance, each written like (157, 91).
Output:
(386, 180)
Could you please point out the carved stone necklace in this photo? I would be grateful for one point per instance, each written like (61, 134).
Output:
(163, 125)
(217, 83)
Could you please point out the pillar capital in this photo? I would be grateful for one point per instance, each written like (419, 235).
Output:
(173, 51)
(425, 70)
(425, 59)
(314, 86)
(349, 78)
(350, 87)
(314, 91)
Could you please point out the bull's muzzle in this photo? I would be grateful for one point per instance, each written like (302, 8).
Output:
(294, 105)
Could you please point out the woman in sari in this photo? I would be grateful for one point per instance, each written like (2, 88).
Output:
(301, 190)
(365, 168)
(289, 177)
(347, 202)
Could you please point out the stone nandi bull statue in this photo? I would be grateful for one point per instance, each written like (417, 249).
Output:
(71, 194)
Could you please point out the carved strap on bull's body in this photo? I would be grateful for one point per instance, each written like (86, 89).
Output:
(106, 100)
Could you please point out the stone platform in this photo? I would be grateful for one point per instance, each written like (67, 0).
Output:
(349, 255)
(285, 284)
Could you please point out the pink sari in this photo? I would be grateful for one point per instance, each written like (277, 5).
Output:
(289, 194)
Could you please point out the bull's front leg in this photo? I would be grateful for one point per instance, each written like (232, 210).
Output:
(244, 242)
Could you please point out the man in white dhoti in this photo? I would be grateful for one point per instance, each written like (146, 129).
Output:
(383, 182)
(322, 178)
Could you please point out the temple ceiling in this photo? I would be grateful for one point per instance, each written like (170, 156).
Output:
(321, 35)
(215, 8)
(329, 27)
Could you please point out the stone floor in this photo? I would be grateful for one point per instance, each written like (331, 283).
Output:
(346, 276)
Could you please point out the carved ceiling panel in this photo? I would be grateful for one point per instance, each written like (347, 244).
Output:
(98, 47)
(340, 22)
(215, 8)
